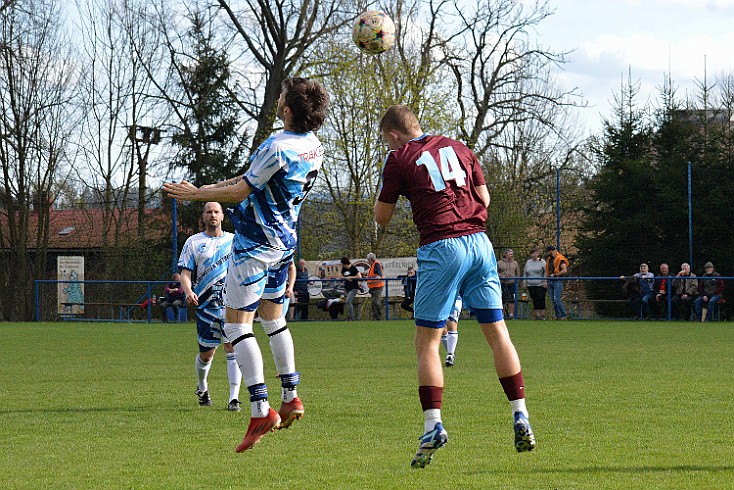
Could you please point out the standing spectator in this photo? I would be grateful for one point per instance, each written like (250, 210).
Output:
(455, 258)
(646, 281)
(173, 297)
(409, 282)
(203, 265)
(557, 266)
(376, 286)
(290, 284)
(351, 286)
(508, 267)
(661, 287)
(534, 274)
(301, 290)
(280, 174)
(685, 290)
(710, 288)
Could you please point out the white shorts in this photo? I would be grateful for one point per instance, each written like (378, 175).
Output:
(255, 274)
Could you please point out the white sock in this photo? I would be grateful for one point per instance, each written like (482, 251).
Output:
(260, 408)
(453, 339)
(445, 342)
(202, 372)
(431, 417)
(281, 343)
(288, 394)
(235, 376)
(249, 357)
(519, 406)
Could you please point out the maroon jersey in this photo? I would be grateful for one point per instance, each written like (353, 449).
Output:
(438, 176)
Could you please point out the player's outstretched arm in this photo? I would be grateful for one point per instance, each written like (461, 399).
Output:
(187, 191)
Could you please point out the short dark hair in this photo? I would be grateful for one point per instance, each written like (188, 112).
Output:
(308, 101)
(345, 261)
(399, 118)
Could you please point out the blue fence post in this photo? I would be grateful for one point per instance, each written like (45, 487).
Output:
(690, 218)
(386, 299)
(174, 235)
(668, 287)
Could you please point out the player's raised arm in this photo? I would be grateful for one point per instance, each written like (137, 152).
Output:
(235, 192)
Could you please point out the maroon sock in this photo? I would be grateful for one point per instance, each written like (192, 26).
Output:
(430, 396)
(514, 386)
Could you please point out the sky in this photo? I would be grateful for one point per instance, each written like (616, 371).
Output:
(685, 38)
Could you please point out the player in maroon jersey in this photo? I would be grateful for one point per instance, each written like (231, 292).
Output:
(444, 183)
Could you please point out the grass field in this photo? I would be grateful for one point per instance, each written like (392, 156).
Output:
(613, 405)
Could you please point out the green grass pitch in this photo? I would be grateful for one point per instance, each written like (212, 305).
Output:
(613, 404)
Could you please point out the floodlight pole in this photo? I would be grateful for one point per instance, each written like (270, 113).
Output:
(174, 236)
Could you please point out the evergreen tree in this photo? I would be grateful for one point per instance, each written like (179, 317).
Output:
(208, 134)
(211, 148)
(616, 232)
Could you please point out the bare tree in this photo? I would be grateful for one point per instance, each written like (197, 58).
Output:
(275, 42)
(113, 149)
(500, 71)
(35, 120)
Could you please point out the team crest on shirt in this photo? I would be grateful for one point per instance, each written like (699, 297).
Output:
(202, 248)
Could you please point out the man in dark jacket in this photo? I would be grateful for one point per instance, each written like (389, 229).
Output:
(710, 288)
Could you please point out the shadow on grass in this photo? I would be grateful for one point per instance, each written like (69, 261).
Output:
(636, 469)
(149, 408)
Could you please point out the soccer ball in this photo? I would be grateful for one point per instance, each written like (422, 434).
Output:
(374, 32)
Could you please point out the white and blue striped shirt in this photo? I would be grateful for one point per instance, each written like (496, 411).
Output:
(282, 171)
(207, 257)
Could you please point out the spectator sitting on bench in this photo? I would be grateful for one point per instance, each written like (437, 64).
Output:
(173, 296)
(645, 280)
(710, 288)
(661, 287)
(334, 306)
(685, 290)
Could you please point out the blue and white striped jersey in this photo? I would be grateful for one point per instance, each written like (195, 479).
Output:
(282, 171)
(207, 258)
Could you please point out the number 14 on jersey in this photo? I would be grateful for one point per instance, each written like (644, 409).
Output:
(448, 168)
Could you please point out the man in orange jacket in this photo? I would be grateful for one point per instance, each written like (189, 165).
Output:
(377, 287)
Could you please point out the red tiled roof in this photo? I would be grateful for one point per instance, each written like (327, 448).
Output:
(83, 228)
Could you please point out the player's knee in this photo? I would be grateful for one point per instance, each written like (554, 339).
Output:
(237, 330)
(207, 356)
(274, 327)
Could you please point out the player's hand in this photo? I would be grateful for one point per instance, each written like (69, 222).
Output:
(192, 299)
(182, 190)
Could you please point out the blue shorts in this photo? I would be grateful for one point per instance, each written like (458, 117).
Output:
(209, 328)
(463, 266)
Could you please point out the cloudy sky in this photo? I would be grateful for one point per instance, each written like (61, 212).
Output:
(650, 37)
